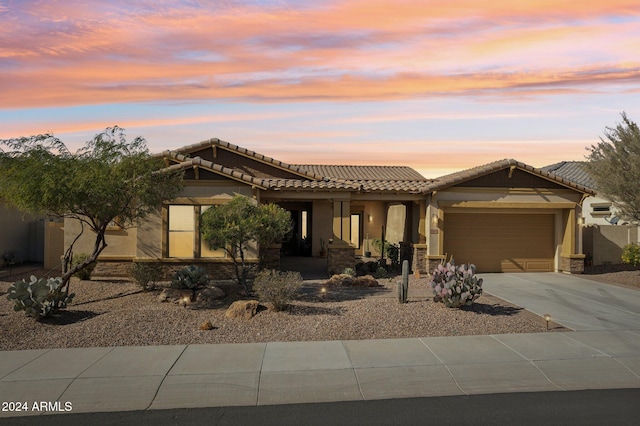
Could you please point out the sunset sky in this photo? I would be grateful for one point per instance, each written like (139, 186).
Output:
(438, 85)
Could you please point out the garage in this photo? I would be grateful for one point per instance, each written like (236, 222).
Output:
(501, 242)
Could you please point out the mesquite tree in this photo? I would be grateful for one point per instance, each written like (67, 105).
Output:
(109, 180)
(614, 164)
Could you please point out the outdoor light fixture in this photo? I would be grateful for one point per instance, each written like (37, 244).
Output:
(185, 301)
(434, 221)
(581, 221)
(547, 318)
(370, 218)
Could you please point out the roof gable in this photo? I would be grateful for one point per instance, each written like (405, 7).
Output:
(489, 175)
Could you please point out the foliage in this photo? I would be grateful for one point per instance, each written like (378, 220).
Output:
(38, 298)
(190, 277)
(614, 164)
(391, 251)
(380, 273)
(631, 254)
(455, 286)
(349, 271)
(146, 274)
(10, 258)
(108, 179)
(277, 287)
(236, 224)
(84, 273)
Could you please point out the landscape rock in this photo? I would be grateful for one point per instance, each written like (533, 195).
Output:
(209, 294)
(242, 309)
(176, 295)
(345, 280)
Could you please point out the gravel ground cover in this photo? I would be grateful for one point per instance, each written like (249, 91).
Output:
(115, 312)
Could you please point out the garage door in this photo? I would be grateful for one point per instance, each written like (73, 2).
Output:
(498, 242)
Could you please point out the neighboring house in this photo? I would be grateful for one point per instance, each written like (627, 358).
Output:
(605, 232)
(503, 216)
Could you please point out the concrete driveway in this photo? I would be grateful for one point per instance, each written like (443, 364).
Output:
(575, 302)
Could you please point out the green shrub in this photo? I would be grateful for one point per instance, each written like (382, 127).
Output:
(38, 298)
(83, 274)
(455, 286)
(349, 271)
(190, 277)
(277, 287)
(631, 254)
(380, 273)
(146, 275)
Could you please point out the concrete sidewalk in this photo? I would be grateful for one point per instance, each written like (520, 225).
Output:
(163, 377)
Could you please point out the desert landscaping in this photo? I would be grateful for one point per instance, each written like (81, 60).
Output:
(116, 312)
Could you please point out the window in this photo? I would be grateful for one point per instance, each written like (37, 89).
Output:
(355, 229)
(183, 238)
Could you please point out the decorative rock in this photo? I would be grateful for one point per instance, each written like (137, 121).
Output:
(209, 294)
(206, 326)
(242, 309)
(366, 281)
(176, 295)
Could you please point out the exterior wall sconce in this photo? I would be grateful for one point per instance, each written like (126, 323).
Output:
(369, 218)
(581, 221)
(434, 221)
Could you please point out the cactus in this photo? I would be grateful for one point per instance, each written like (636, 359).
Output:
(38, 298)
(190, 277)
(455, 286)
(403, 286)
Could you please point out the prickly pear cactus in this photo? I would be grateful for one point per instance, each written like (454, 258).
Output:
(455, 286)
(38, 298)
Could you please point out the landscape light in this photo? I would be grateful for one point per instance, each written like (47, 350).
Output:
(547, 318)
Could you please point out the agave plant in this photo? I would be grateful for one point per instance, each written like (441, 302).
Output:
(455, 286)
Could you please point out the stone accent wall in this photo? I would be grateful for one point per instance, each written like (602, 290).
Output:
(270, 257)
(419, 263)
(433, 264)
(339, 258)
(217, 270)
(572, 265)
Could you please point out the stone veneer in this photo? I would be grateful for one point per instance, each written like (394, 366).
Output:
(217, 270)
(419, 263)
(339, 258)
(573, 265)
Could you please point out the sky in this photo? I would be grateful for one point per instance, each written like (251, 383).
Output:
(437, 85)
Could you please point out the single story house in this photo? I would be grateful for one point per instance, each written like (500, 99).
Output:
(502, 216)
(604, 234)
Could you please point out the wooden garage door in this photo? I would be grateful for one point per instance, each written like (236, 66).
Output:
(499, 242)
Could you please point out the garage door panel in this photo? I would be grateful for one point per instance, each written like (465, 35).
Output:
(501, 242)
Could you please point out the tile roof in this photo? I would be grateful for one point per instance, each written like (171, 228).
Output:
(340, 177)
(475, 172)
(575, 171)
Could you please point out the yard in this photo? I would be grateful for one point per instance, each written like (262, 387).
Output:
(115, 312)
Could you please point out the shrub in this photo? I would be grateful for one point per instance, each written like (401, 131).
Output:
(38, 298)
(631, 254)
(349, 271)
(277, 287)
(83, 274)
(380, 273)
(190, 277)
(146, 275)
(455, 286)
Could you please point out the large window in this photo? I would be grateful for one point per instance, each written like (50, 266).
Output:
(183, 237)
(356, 225)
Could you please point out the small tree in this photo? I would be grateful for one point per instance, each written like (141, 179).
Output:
(109, 180)
(614, 164)
(234, 225)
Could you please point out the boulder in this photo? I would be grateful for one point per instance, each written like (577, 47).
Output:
(345, 280)
(366, 281)
(209, 294)
(176, 295)
(242, 309)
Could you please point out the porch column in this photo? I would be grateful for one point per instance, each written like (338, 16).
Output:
(340, 253)
(571, 260)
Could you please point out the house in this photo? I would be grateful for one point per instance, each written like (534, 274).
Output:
(605, 234)
(503, 216)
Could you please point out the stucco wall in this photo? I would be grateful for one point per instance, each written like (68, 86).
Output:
(605, 242)
(21, 233)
